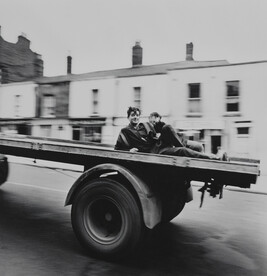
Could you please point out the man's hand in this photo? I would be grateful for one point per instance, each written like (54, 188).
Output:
(133, 150)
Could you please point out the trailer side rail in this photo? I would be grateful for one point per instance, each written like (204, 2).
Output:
(58, 150)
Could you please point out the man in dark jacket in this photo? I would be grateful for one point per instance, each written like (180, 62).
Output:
(155, 119)
(136, 136)
(141, 137)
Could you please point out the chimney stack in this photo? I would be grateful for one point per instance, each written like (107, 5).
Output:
(23, 41)
(69, 60)
(189, 51)
(137, 54)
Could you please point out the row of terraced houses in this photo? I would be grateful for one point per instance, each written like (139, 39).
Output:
(219, 103)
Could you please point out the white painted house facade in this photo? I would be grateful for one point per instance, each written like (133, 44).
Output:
(228, 106)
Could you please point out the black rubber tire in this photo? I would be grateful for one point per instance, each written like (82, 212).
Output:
(107, 219)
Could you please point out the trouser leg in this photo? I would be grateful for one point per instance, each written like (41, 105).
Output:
(169, 137)
(182, 151)
(194, 145)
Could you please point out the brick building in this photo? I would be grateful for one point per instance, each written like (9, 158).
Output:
(18, 62)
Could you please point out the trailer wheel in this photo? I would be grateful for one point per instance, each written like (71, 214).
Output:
(107, 219)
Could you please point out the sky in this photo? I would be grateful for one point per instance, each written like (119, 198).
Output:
(100, 34)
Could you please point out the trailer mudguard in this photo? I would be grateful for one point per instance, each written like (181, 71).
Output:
(151, 206)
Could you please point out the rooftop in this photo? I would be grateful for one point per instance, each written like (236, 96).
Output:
(142, 70)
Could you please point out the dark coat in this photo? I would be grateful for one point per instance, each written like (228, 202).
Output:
(143, 138)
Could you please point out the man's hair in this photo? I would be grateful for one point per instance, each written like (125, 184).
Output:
(155, 114)
(133, 109)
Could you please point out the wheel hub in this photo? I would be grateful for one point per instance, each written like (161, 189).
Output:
(103, 220)
(108, 217)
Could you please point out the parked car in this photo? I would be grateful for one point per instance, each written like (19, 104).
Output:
(3, 168)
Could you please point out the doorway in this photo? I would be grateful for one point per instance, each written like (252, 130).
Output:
(216, 142)
(76, 133)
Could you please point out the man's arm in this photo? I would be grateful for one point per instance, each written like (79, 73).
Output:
(122, 142)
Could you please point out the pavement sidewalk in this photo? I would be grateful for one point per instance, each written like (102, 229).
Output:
(260, 187)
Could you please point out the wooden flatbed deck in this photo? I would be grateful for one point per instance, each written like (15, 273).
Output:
(67, 151)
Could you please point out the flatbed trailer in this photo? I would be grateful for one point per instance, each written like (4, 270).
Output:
(120, 194)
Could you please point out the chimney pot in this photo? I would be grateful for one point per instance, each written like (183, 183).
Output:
(137, 54)
(69, 64)
(23, 41)
(189, 51)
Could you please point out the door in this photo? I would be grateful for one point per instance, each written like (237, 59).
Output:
(76, 133)
(216, 142)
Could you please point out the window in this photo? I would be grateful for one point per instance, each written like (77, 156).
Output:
(45, 130)
(95, 101)
(232, 96)
(3, 75)
(17, 105)
(243, 130)
(137, 97)
(194, 99)
(24, 129)
(92, 134)
(49, 106)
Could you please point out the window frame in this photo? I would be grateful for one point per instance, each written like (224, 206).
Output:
(95, 101)
(231, 100)
(137, 96)
(197, 99)
(46, 130)
(46, 106)
(17, 105)
(243, 125)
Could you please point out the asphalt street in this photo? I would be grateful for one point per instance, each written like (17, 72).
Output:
(225, 237)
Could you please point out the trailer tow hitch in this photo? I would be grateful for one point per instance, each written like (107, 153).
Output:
(213, 188)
